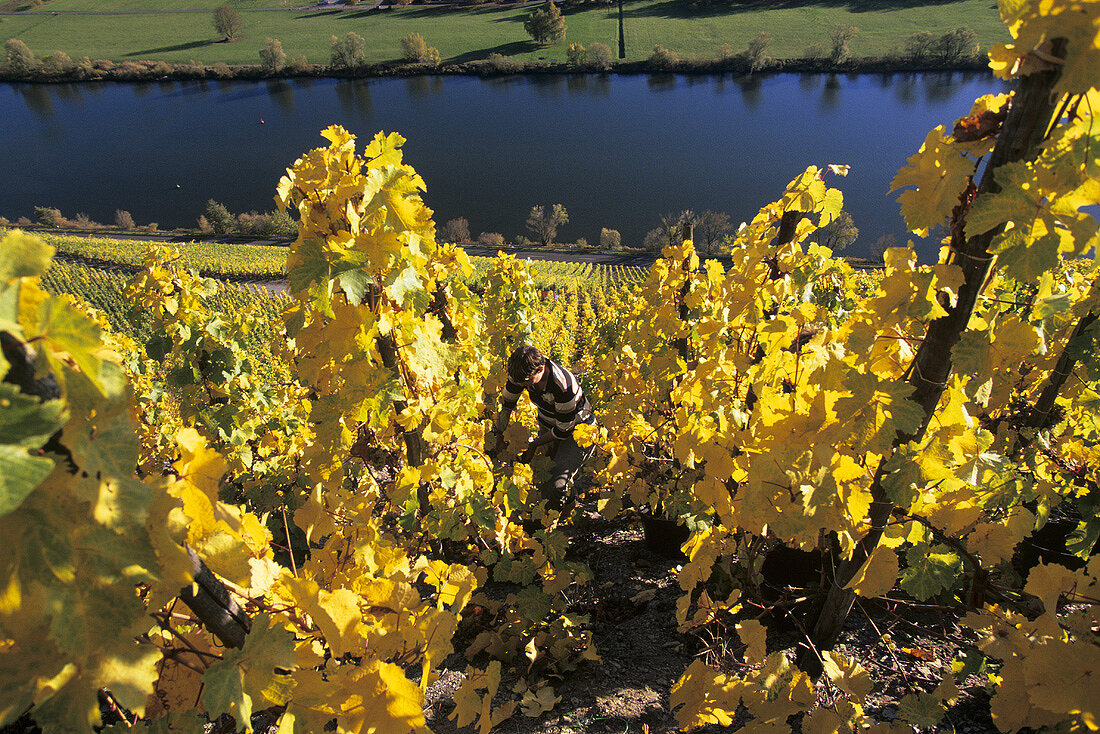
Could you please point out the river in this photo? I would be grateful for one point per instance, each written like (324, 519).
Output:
(616, 150)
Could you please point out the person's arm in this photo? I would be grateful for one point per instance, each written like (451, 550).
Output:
(508, 400)
(542, 439)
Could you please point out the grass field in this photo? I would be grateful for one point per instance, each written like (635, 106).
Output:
(130, 30)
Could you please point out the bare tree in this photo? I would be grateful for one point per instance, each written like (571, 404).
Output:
(710, 229)
(455, 231)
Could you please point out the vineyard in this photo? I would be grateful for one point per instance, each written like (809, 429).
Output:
(268, 263)
(227, 509)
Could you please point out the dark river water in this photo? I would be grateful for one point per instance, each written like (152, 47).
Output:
(617, 151)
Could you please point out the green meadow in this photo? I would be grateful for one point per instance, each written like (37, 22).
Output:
(131, 30)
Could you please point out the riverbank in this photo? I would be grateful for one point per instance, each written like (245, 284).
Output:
(149, 71)
(69, 42)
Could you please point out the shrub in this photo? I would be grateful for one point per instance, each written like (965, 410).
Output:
(610, 239)
(49, 216)
(228, 23)
(582, 242)
(85, 68)
(272, 56)
(57, 63)
(20, 57)
(500, 64)
(599, 56)
(299, 65)
(221, 70)
(492, 239)
(275, 225)
(576, 54)
(83, 221)
(417, 50)
(123, 219)
(662, 58)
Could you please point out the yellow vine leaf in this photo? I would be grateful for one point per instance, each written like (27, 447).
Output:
(878, 575)
(381, 701)
(1048, 581)
(848, 675)
(754, 635)
(1064, 677)
(1011, 707)
(535, 704)
(703, 696)
(938, 173)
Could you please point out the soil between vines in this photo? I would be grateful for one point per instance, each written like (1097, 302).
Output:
(643, 654)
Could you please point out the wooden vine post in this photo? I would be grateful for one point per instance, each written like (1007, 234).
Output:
(1030, 116)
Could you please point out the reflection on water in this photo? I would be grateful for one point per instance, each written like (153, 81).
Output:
(615, 150)
(752, 90)
(354, 95)
(282, 93)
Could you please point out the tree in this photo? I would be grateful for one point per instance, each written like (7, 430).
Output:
(544, 225)
(545, 24)
(920, 45)
(20, 57)
(272, 56)
(228, 23)
(219, 218)
(610, 239)
(958, 44)
(349, 53)
(839, 37)
(669, 232)
(710, 229)
(839, 233)
(756, 55)
(455, 230)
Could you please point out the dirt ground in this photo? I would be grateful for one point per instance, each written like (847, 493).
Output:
(631, 604)
(643, 653)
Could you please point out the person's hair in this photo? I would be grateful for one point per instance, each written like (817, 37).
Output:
(524, 362)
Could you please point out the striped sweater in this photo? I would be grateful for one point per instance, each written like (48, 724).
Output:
(561, 405)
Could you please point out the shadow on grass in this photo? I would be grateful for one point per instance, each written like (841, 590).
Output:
(504, 49)
(685, 9)
(177, 47)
